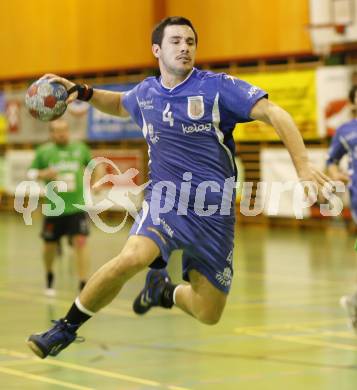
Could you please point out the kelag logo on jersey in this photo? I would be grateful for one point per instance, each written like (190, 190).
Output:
(195, 107)
(196, 128)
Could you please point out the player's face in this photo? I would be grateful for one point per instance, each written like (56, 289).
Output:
(60, 132)
(178, 49)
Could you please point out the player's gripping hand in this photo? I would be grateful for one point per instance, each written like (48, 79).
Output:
(337, 174)
(316, 184)
(67, 84)
(341, 176)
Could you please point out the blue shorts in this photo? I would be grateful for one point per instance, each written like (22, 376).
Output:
(353, 203)
(207, 243)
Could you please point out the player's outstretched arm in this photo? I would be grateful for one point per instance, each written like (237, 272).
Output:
(108, 102)
(337, 174)
(105, 101)
(268, 112)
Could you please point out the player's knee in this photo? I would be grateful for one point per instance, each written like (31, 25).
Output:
(209, 317)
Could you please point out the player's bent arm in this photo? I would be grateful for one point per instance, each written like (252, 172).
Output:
(108, 102)
(268, 112)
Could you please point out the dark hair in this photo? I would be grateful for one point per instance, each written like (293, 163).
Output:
(352, 94)
(158, 32)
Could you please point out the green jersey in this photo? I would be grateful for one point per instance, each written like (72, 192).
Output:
(69, 161)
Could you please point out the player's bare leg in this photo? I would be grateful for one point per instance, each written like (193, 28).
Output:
(82, 259)
(200, 299)
(100, 290)
(49, 255)
(137, 254)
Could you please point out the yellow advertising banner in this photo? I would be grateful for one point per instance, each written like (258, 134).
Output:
(295, 91)
(3, 122)
(2, 129)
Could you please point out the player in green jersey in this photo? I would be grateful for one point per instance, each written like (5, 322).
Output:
(64, 161)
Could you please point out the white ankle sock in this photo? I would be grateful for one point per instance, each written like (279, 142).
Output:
(82, 308)
(174, 294)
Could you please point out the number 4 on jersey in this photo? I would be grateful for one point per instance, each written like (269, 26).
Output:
(167, 115)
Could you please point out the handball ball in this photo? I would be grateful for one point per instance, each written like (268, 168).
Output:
(46, 101)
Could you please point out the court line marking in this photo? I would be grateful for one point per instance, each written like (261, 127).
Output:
(12, 353)
(17, 362)
(172, 387)
(303, 340)
(281, 303)
(95, 371)
(64, 294)
(318, 332)
(60, 302)
(100, 372)
(66, 305)
(276, 295)
(128, 314)
(289, 325)
(341, 335)
(286, 278)
(41, 378)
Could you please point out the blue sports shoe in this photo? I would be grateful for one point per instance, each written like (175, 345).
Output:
(53, 340)
(151, 294)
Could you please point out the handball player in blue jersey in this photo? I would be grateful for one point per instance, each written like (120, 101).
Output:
(345, 142)
(187, 117)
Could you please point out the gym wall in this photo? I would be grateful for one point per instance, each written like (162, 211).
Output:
(78, 36)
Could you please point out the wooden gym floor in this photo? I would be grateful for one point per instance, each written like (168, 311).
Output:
(282, 328)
